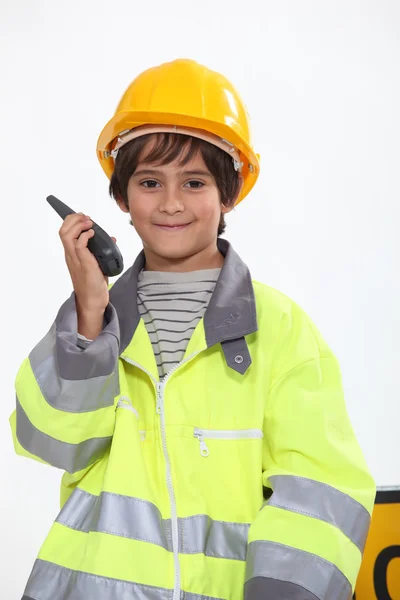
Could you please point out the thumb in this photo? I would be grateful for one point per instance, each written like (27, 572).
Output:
(114, 239)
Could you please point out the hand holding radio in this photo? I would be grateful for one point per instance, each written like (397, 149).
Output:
(91, 256)
(89, 282)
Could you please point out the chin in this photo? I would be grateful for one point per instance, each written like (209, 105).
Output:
(174, 250)
(174, 253)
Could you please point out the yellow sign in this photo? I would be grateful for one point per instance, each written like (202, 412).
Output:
(379, 577)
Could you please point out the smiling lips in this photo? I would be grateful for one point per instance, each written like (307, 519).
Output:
(172, 227)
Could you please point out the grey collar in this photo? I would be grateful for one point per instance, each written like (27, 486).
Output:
(231, 313)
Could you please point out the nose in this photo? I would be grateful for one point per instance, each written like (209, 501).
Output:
(171, 201)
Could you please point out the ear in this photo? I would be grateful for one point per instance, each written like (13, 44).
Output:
(227, 209)
(122, 205)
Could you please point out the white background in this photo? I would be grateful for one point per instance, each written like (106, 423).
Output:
(321, 82)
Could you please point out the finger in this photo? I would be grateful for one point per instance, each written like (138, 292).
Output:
(70, 248)
(86, 258)
(114, 239)
(82, 242)
(76, 251)
(70, 237)
(71, 222)
(74, 227)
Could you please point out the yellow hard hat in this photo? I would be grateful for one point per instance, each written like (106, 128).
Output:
(185, 97)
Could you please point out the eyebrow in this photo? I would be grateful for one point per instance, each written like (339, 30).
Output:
(154, 172)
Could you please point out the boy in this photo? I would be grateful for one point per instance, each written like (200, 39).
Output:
(198, 415)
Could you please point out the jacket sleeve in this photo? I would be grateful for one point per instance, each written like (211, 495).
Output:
(65, 393)
(306, 542)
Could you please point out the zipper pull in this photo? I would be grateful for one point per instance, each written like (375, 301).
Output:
(159, 397)
(204, 451)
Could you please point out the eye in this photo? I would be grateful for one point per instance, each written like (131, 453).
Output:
(194, 184)
(149, 183)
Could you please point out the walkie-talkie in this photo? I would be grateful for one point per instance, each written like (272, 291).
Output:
(101, 244)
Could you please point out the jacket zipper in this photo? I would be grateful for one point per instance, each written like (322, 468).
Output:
(224, 434)
(160, 388)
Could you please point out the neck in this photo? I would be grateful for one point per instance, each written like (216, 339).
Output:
(209, 258)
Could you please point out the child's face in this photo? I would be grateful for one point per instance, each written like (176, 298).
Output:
(186, 197)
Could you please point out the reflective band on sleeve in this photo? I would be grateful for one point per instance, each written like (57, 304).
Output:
(141, 520)
(49, 581)
(268, 588)
(219, 539)
(69, 457)
(315, 574)
(323, 502)
(81, 381)
(116, 515)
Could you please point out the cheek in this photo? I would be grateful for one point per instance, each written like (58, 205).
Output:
(209, 207)
(139, 207)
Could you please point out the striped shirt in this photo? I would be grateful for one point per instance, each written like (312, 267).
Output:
(171, 305)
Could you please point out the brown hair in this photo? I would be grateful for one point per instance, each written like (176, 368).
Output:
(167, 148)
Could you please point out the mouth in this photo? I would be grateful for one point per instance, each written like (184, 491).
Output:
(172, 227)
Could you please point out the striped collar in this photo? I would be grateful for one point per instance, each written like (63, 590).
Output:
(231, 313)
(154, 278)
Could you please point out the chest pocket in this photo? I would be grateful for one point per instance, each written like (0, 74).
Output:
(203, 435)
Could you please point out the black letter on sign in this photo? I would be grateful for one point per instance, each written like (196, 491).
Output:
(380, 571)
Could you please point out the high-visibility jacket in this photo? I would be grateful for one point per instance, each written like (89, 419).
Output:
(238, 475)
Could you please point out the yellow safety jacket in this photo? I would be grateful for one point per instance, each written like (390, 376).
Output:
(237, 475)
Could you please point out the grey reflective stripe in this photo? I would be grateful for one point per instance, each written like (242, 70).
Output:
(141, 520)
(76, 381)
(272, 589)
(116, 515)
(220, 539)
(324, 502)
(49, 581)
(315, 574)
(69, 457)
